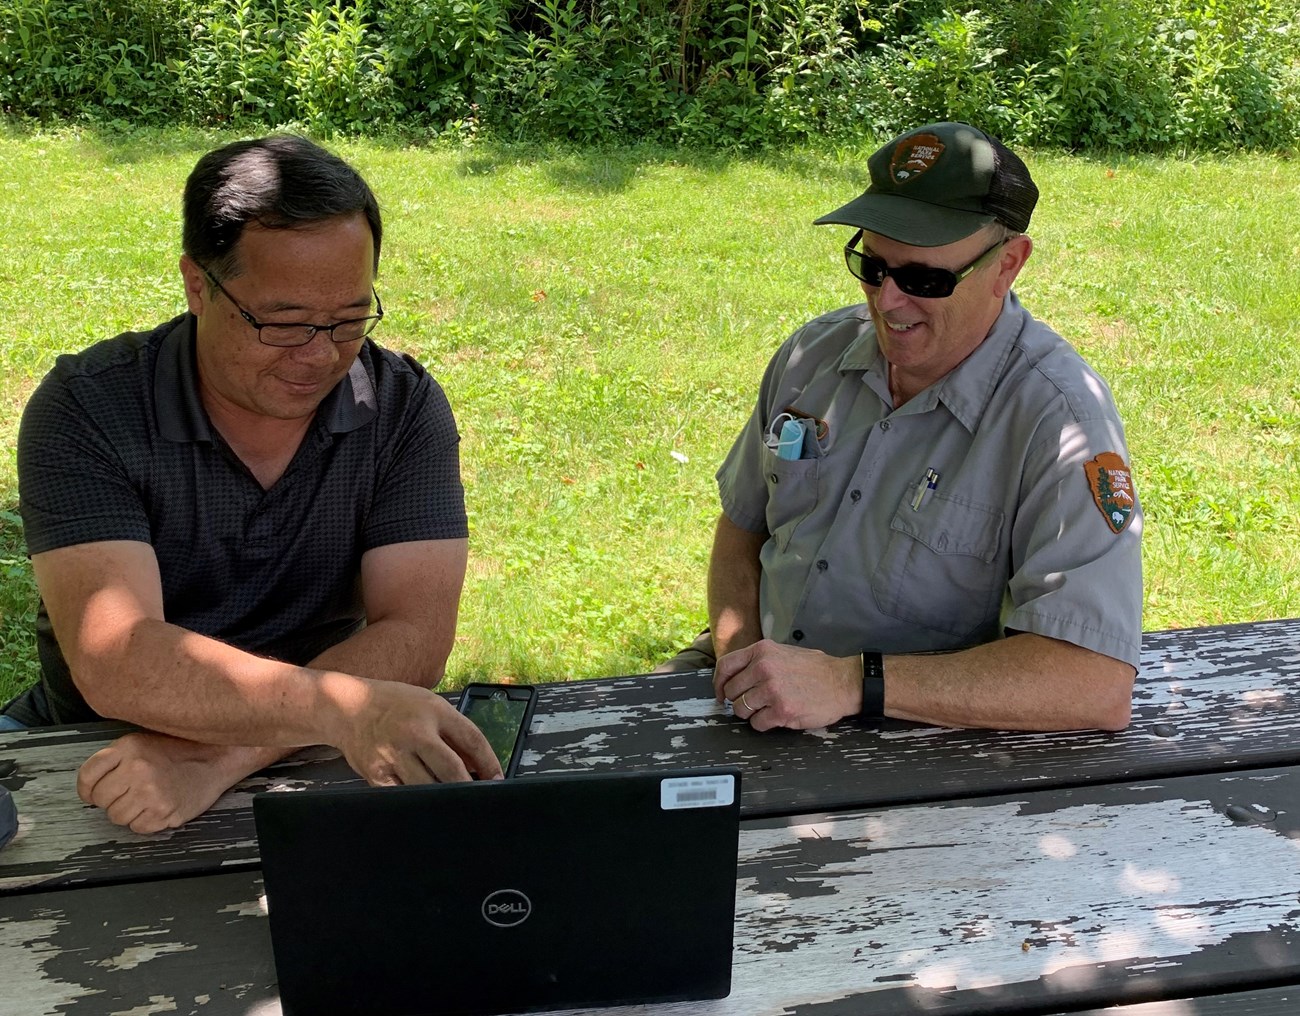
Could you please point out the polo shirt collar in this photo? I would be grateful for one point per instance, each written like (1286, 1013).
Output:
(176, 400)
(179, 407)
(353, 403)
(967, 389)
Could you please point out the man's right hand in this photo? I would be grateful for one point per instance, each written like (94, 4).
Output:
(774, 685)
(404, 734)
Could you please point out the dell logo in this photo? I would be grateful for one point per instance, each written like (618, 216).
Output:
(506, 907)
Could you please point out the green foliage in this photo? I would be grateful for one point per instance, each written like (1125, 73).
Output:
(313, 63)
(945, 71)
(562, 77)
(235, 70)
(61, 57)
(587, 72)
(811, 74)
(337, 75)
(19, 666)
(1142, 74)
(446, 57)
(1137, 74)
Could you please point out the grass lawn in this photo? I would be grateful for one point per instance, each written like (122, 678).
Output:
(600, 320)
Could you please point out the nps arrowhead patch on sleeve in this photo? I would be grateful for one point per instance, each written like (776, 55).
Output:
(1111, 483)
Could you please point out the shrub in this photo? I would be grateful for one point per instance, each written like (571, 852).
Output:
(336, 71)
(1136, 74)
(63, 58)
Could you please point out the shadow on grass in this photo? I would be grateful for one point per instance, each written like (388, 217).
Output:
(590, 169)
(638, 656)
(611, 169)
(123, 145)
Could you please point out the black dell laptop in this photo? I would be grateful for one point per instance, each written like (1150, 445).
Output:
(545, 892)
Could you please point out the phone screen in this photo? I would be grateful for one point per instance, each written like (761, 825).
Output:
(500, 713)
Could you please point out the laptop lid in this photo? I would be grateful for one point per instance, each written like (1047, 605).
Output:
(545, 892)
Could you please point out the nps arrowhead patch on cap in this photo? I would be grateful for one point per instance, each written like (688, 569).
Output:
(913, 156)
(1111, 483)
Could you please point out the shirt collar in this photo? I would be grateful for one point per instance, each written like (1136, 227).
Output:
(179, 407)
(176, 400)
(967, 389)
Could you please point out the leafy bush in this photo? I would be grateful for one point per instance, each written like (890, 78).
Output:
(62, 57)
(446, 57)
(337, 73)
(1137, 74)
(235, 72)
(945, 71)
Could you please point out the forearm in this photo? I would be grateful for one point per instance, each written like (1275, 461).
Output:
(164, 678)
(393, 650)
(387, 650)
(1025, 682)
(734, 576)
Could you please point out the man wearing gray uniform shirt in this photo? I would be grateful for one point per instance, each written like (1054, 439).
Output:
(930, 513)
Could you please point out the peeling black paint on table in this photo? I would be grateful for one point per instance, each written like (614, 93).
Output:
(1014, 903)
(1230, 695)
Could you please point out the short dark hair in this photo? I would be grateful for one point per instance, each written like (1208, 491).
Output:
(279, 182)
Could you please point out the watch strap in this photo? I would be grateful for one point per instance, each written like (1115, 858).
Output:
(873, 686)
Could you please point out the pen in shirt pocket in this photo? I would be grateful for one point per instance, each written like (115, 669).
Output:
(924, 489)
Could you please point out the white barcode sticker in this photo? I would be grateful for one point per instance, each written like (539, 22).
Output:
(696, 792)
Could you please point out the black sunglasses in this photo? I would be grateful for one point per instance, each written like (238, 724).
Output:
(914, 280)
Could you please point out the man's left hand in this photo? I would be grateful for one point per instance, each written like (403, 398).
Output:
(150, 782)
(775, 685)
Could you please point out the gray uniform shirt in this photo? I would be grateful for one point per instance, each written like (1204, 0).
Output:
(1032, 526)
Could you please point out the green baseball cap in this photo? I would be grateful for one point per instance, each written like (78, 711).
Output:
(939, 184)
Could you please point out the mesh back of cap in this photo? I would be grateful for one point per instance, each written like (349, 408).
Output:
(1012, 192)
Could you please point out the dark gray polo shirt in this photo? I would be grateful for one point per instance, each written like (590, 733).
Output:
(1033, 524)
(115, 445)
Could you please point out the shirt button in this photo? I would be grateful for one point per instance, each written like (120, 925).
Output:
(855, 496)
(774, 478)
(884, 424)
(797, 635)
(823, 564)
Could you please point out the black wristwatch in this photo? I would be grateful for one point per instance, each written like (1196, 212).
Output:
(873, 686)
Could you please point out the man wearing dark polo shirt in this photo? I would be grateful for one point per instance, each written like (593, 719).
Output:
(247, 525)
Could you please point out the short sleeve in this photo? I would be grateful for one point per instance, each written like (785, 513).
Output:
(418, 494)
(73, 485)
(742, 488)
(1076, 543)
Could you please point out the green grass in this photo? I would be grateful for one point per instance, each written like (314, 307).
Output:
(596, 316)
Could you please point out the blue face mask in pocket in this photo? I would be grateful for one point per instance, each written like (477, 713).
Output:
(789, 443)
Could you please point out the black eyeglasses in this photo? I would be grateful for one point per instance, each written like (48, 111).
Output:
(299, 333)
(915, 280)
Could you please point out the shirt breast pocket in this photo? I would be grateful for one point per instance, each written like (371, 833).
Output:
(791, 494)
(941, 566)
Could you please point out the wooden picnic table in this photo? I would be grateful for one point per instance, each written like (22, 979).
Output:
(900, 869)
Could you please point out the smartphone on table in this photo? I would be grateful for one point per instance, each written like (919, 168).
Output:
(503, 712)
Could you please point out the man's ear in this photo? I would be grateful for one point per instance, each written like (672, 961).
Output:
(1010, 261)
(196, 285)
